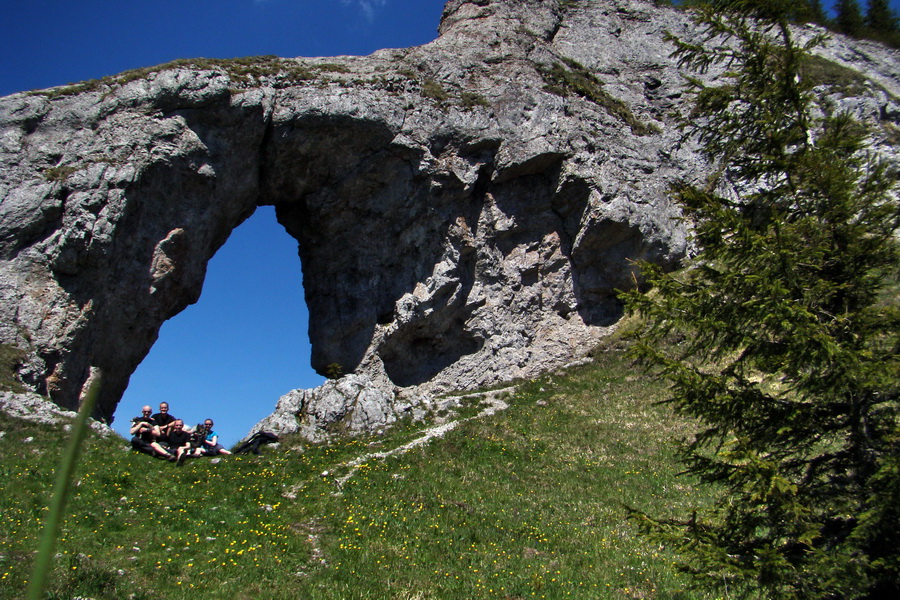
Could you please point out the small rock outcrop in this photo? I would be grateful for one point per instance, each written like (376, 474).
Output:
(350, 405)
(37, 409)
(464, 211)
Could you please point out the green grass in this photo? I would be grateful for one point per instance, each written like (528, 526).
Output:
(10, 359)
(59, 173)
(472, 99)
(432, 89)
(822, 71)
(529, 503)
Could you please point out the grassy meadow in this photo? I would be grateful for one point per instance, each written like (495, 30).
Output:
(527, 503)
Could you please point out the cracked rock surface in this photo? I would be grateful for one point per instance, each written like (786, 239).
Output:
(464, 213)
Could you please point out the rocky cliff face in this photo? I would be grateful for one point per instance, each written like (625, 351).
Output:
(464, 210)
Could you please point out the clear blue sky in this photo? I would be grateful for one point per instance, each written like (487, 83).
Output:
(230, 356)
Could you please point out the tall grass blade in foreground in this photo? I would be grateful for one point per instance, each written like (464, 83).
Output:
(61, 487)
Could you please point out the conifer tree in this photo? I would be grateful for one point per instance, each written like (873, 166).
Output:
(849, 19)
(779, 338)
(814, 12)
(880, 18)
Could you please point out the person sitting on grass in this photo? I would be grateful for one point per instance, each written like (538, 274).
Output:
(211, 445)
(145, 431)
(179, 442)
(164, 418)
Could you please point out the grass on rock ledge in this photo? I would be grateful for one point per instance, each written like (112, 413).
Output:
(528, 503)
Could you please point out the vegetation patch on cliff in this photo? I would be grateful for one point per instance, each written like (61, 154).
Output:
(573, 78)
(244, 71)
(10, 359)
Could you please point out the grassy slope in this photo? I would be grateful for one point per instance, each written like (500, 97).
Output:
(525, 504)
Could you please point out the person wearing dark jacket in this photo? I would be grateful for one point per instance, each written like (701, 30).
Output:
(179, 441)
(145, 431)
(164, 420)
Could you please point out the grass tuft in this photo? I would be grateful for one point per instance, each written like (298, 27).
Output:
(839, 78)
(434, 90)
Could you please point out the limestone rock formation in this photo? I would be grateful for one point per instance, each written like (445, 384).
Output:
(464, 210)
(37, 409)
(349, 405)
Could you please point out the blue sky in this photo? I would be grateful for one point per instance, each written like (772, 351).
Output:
(53, 42)
(230, 356)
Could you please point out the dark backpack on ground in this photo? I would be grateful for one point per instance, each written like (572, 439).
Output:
(255, 441)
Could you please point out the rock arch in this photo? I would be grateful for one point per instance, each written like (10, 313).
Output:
(447, 240)
(464, 214)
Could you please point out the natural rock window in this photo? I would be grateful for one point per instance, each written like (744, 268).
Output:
(242, 345)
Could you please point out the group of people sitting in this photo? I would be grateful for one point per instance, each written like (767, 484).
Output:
(163, 436)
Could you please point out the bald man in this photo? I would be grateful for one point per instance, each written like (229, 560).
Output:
(145, 431)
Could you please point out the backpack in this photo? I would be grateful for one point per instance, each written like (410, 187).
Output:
(255, 441)
(199, 435)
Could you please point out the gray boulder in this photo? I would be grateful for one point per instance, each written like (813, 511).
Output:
(351, 405)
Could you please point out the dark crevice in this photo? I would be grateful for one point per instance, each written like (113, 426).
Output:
(264, 143)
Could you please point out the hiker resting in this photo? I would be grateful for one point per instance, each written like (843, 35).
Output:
(211, 445)
(179, 442)
(145, 433)
(164, 420)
